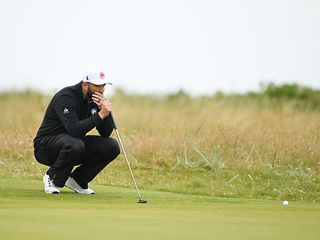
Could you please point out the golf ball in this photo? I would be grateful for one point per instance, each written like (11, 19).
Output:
(285, 203)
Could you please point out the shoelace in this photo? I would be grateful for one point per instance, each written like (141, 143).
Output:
(49, 182)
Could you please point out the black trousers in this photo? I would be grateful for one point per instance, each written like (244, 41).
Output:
(63, 152)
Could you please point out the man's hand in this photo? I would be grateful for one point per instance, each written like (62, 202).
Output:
(103, 104)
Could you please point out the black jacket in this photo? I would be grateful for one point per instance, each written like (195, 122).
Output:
(69, 113)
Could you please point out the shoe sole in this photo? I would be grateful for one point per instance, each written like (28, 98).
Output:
(71, 188)
(55, 192)
(77, 191)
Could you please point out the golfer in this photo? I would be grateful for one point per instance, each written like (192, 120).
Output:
(61, 141)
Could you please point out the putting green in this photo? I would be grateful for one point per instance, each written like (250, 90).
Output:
(27, 213)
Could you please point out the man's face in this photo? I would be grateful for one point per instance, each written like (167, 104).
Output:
(92, 88)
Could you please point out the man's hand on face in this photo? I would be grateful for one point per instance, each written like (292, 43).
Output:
(103, 104)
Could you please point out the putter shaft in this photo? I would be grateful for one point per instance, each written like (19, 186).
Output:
(125, 156)
(127, 160)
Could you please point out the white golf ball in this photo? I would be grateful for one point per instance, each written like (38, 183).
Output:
(285, 203)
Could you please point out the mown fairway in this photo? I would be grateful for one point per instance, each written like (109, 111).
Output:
(27, 213)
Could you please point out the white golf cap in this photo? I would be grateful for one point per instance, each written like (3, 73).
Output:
(96, 77)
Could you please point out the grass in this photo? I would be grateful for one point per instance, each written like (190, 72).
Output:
(27, 213)
(234, 146)
(211, 168)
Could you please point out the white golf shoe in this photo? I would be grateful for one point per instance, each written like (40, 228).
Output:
(73, 185)
(49, 186)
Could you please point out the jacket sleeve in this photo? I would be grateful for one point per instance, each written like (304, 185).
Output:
(68, 113)
(105, 128)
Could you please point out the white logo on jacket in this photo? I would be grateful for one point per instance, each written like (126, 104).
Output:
(93, 111)
(65, 110)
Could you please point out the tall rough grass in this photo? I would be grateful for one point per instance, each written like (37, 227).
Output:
(236, 146)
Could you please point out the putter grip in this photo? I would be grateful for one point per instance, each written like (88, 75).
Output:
(112, 121)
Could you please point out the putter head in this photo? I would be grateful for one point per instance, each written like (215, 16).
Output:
(142, 201)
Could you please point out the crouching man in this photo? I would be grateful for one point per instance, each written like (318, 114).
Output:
(61, 141)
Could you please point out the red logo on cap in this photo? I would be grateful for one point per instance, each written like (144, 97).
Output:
(102, 76)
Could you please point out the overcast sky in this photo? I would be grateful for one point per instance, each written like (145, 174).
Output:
(160, 46)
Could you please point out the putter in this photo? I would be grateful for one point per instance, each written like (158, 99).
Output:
(125, 156)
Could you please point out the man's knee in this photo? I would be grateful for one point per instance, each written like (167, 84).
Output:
(109, 147)
(114, 146)
(75, 146)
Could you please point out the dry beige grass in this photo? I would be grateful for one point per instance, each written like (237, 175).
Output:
(200, 146)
